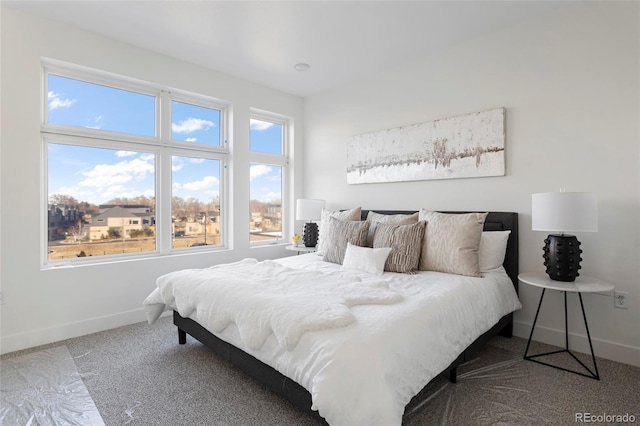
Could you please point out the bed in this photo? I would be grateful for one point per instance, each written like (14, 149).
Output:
(309, 367)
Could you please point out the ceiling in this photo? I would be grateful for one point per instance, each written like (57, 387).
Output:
(261, 41)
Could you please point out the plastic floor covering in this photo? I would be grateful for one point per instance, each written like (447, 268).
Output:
(45, 388)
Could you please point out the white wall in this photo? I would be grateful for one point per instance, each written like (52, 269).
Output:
(569, 83)
(46, 306)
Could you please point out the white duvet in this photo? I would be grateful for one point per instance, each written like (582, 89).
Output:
(365, 370)
(265, 298)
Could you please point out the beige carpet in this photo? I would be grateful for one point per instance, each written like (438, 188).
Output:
(139, 375)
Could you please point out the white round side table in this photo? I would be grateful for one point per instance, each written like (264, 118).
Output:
(301, 249)
(579, 286)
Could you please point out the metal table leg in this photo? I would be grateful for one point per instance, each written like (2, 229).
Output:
(593, 375)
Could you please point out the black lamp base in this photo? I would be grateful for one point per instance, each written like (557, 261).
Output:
(562, 257)
(310, 234)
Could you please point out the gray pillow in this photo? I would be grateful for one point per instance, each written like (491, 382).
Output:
(405, 242)
(325, 215)
(391, 219)
(451, 242)
(339, 233)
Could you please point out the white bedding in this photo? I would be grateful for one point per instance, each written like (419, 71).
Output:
(264, 298)
(364, 373)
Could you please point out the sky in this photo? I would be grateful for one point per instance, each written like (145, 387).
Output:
(97, 175)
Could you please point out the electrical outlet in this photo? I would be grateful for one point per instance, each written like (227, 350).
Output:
(620, 299)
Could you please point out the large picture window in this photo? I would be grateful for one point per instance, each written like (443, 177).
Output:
(130, 168)
(100, 201)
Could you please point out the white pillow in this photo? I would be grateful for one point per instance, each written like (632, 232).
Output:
(493, 246)
(365, 259)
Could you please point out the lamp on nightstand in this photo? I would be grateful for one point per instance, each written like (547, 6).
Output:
(309, 210)
(559, 212)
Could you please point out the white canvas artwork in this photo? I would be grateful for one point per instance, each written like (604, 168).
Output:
(466, 146)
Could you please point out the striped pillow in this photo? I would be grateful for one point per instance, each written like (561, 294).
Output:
(391, 219)
(339, 233)
(325, 216)
(405, 242)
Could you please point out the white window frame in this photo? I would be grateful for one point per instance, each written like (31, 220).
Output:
(280, 160)
(161, 145)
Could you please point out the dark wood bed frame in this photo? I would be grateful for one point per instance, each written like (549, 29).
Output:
(298, 395)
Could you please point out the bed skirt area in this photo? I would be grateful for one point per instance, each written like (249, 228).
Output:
(289, 389)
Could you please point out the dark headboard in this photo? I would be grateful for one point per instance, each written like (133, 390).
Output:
(496, 221)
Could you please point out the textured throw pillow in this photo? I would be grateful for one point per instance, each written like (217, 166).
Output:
(405, 242)
(451, 242)
(339, 233)
(391, 219)
(325, 215)
(365, 258)
(493, 246)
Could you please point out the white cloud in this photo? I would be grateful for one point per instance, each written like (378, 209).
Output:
(200, 185)
(176, 164)
(191, 125)
(97, 123)
(271, 196)
(259, 170)
(100, 183)
(259, 125)
(55, 101)
(104, 176)
(149, 193)
(191, 139)
(197, 160)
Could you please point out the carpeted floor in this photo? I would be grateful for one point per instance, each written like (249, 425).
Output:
(139, 375)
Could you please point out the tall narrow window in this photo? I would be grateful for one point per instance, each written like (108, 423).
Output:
(195, 202)
(267, 178)
(266, 202)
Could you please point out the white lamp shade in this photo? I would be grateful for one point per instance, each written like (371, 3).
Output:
(309, 209)
(564, 211)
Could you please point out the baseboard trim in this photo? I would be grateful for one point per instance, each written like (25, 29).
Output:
(43, 336)
(603, 348)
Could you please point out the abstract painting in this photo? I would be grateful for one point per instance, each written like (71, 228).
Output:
(465, 146)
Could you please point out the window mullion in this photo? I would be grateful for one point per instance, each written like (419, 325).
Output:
(163, 202)
(163, 191)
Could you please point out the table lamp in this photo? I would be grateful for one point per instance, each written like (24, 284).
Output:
(309, 210)
(559, 212)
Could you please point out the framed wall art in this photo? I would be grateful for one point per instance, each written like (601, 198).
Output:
(465, 146)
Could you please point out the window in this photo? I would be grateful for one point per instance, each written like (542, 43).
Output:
(195, 202)
(131, 168)
(268, 142)
(266, 137)
(73, 102)
(193, 123)
(95, 199)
